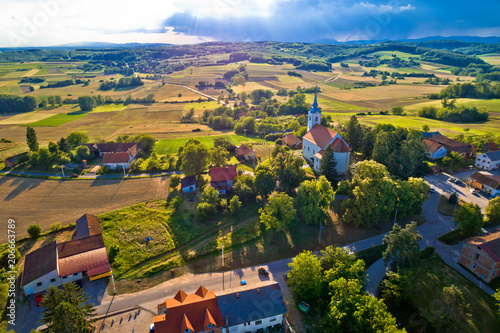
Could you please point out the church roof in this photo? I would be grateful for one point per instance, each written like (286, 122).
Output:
(314, 108)
(338, 146)
(320, 135)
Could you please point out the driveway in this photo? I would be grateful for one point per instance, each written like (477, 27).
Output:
(443, 186)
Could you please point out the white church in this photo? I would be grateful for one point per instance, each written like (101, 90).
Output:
(319, 137)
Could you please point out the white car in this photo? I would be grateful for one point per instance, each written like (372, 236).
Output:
(473, 191)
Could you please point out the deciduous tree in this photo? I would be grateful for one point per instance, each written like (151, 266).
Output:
(194, 158)
(218, 156)
(31, 139)
(402, 245)
(278, 213)
(234, 204)
(265, 182)
(457, 310)
(305, 275)
(469, 218)
(77, 138)
(313, 200)
(493, 211)
(288, 169)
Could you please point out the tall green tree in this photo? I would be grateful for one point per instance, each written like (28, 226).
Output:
(278, 213)
(328, 165)
(402, 245)
(383, 147)
(66, 309)
(265, 182)
(146, 140)
(339, 263)
(305, 275)
(313, 200)
(469, 219)
(457, 310)
(354, 134)
(86, 103)
(63, 145)
(492, 211)
(218, 156)
(288, 169)
(31, 139)
(194, 158)
(234, 204)
(75, 139)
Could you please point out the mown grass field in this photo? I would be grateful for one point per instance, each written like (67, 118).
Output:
(399, 54)
(202, 105)
(289, 79)
(109, 108)
(171, 146)
(58, 119)
(428, 281)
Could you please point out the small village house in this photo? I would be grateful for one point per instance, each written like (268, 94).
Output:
(292, 141)
(434, 150)
(461, 148)
(489, 160)
(485, 182)
(222, 178)
(115, 154)
(490, 146)
(188, 184)
(481, 255)
(245, 153)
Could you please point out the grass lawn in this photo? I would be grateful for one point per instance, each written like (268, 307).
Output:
(109, 108)
(428, 281)
(58, 119)
(171, 146)
(445, 208)
(453, 237)
(369, 256)
(202, 105)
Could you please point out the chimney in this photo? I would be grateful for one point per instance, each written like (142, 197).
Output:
(237, 295)
(258, 291)
(227, 168)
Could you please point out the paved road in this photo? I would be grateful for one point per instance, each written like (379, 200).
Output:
(91, 176)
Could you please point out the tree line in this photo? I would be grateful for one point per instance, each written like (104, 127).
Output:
(469, 90)
(14, 104)
(453, 113)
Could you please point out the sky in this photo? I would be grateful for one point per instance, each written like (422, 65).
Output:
(58, 22)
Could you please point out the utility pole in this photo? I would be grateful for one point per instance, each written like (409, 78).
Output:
(123, 172)
(320, 227)
(113, 281)
(222, 255)
(62, 169)
(395, 215)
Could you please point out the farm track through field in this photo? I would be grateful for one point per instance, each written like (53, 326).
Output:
(29, 201)
(198, 243)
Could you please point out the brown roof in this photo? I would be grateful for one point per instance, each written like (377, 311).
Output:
(117, 147)
(223, 173)
(453, 145)
(113, 158)
(87, 225)
(490, 146)
(194, 312)
(432, 146)
(320, 135)
(291, 140)
(244, 150)
(489, 242)
(463, 149)
(485, 179)
(80, 245)
(95, 262)
(39, 262)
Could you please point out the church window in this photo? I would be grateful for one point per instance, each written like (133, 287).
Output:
(307, 148)
(316, 118)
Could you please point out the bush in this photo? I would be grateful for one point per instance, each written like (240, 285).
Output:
(205, 210)
(234, 204)
(55, 227)
(175, 203)
(8, 255)
(113, 252)
(175, 180)
(34, 230)
(453, 199)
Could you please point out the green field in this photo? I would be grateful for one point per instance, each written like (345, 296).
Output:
(58, 119)
(289, 79)
(489, 104)
(427, 283)
(401, 55)
(171, 146)
(109, 108)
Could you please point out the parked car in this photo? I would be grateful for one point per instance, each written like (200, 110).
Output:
(38, 299)
(452, 179)
(152, 328)
(457, 181)
(473, 191)
(262, 271)
(432, 190)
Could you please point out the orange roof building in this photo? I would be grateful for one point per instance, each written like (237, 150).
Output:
(319, 137)
(245, 152)
(198, 312)
(292, 141)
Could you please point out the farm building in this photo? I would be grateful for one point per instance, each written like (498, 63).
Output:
(481, 255)
(292, 141)
(490, 146)
(319, 137)
(463, 149)
(188, 184)
(222, 178)
(244, 152)
(434, 150)
(115, 154)
(488, 161)
(13, 160)
(55, 264)
(485, 182)
(235, 312)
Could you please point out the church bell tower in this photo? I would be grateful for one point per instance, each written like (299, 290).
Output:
(314, 114)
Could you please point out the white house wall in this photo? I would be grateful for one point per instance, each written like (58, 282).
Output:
(266, 322)
(32, 288)
(72, 277)
(484, 162)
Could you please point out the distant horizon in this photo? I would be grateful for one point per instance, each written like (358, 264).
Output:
(49, 23)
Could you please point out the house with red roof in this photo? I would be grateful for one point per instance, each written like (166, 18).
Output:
(319, 137)
(115, 154)
(481, 255)
(57, 263)
(222, 178)
(292, 141)
(245, 152)
(434, 150)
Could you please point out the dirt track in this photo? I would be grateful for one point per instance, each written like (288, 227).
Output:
(45, 202)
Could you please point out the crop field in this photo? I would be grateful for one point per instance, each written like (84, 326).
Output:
(47, 201)
(171, 146)
(109, 108)
(58, 119)
(201, 106)
(489, 104)
(492, 58)
(9, 87)
(289, 79)
(25, 118)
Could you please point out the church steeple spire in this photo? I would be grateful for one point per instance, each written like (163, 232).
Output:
(314, 114)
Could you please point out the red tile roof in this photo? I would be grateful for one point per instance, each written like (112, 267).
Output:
(320, 135)
(80, 245)
(244, 151)
(114, 158)
(453, 145)
(486, 179)
(432, 146)
(490, 146)
(339, 146)
(194, 312)
(223, 173)
(291, 140)
(489, 242)
(95, 262)
(117, 147)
